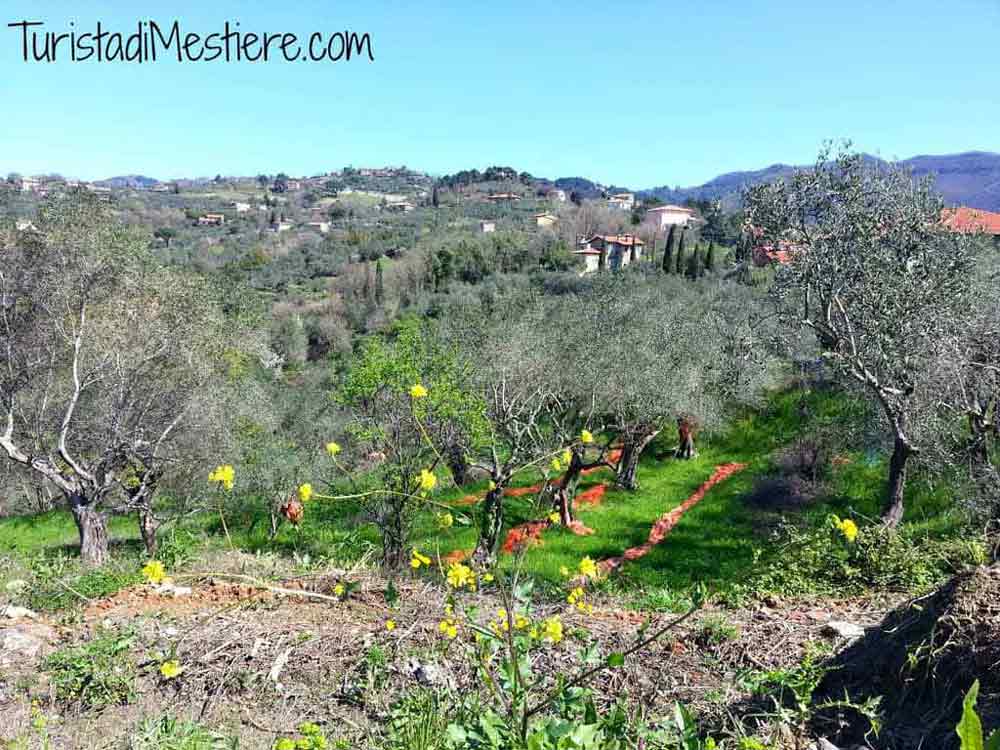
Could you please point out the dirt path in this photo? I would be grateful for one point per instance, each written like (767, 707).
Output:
(666, 522)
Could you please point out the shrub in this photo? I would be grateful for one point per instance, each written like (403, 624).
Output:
(95, 674)
(823, 561)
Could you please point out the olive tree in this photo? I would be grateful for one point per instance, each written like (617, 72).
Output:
(878, 279)
(404, 395)
(106, 362)
(500, 350)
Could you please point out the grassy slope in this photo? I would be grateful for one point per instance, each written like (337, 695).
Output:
(714, 542)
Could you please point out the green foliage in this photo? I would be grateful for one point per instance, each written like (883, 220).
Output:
(820, 561)
(715, 629)
(312, 738)
(970, 728)
(95, 674)
(56, 582)
(792, 687)
(418, 722)
(171, 733)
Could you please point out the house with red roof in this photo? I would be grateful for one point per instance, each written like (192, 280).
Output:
(611, 251)
(971, 220)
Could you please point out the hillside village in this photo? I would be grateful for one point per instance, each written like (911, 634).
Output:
(488, 461)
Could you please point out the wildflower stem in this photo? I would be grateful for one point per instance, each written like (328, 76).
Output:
(585, 675)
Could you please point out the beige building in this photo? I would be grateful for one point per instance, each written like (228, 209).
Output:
(212, 220)
(666, 216)
(609, 251)
(545, 220)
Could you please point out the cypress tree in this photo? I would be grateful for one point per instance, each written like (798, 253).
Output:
(710, 258)
(434, 197)
(679, 268)
(693, 263)
(366, 290)
(379, 283)
(668, 251)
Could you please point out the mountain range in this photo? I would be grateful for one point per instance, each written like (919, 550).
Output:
(967, 179)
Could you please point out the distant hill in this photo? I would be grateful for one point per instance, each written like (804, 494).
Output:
(128, 181)
(967, 179)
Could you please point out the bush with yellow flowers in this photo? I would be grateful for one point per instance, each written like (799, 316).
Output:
(527, 706)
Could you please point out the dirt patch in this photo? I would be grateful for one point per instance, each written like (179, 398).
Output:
(666, 522)
(922, 659)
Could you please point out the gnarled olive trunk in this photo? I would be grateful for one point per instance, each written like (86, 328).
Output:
(92, 526)
(633, 447)
(393, 525)
(981, 432)
(457, 464)
(685, 436)
(566, 491)
(901, 452)
(147, 529)
(490, 528)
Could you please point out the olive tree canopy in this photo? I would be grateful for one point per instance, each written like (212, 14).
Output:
(107, 362)
(872, 271)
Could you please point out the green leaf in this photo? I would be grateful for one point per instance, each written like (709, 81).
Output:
(970, 729)
(616, 659)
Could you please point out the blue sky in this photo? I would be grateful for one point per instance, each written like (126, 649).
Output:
(635, 93)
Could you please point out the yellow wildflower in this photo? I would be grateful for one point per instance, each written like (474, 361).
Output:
(556, 465)
(445, 520)
(520, 622)
(417, 559)
(586, 437)
(305, 492)
(460, 575)
(554, 517)
(333, 448)
(284, 743)
(154, 572)
(849, 529)
(493, 485)
(448, 628)
(567, 456)
(170, 669)
(427, 480)
(339, 590)
(588, 568)
(417, 391)
(575, 595)
(390, 625)
(564, 571)
(224, 475)
(552, 629)
(487, 577)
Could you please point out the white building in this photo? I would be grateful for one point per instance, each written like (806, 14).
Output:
(241, 208)
(487, 226)
(622, 201)
(321, 226)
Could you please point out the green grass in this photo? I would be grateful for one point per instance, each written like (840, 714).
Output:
(55, 531)
(716, 542)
